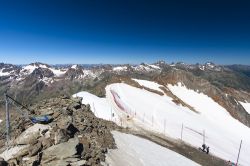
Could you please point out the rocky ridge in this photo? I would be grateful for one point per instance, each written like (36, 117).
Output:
(73, 127)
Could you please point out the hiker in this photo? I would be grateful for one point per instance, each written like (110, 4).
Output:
(203, 147)
(207, 149)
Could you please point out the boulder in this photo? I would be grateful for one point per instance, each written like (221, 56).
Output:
(61, 152)
(35, 149)
(31, 134)
(47, 111)
(46, 142)
(15, 152)
(81, 162)
(61, 136)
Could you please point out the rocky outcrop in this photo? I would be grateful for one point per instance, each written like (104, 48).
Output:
(75, 136)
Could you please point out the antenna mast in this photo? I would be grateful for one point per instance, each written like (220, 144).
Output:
(7, 119)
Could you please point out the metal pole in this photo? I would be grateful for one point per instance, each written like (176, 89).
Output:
(204, 136)
(164, 126)
(111, 113)
(181, 130)
(152, 121)
(7, 119)
(94, 109)
(143, 117)
(239, 153)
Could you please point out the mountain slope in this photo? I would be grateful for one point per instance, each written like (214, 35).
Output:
(140, 108)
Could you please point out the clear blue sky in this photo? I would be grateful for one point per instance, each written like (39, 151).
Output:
(124, 31)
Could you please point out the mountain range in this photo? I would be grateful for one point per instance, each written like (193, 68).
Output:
(198, 95)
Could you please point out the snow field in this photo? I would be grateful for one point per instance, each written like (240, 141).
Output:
(132, 150)
(158, 113)
(99, 106)
(149, 84)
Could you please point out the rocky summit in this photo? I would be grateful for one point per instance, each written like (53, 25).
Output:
(72, 136)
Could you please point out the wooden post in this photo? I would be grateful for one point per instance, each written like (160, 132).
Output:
(238, 154)
(7, 119)
(181, 130)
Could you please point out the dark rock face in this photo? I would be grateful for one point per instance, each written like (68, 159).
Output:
(41, 73)
(71, 138)
(74, 73)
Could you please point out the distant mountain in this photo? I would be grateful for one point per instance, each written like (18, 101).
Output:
(30, 83)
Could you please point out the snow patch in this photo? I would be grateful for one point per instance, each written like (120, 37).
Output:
(58, 72)
(3, 73)
(120, 68)
(155, 67)
(133, 150)
(246, 106)
(149, 84)
(73, 66)
(90, 73)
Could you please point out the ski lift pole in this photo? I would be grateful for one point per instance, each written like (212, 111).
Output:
(238, 154)
(7, 119)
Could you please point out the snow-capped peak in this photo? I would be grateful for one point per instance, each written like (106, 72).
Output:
(210, 64)
(120, 68)
(73, 66)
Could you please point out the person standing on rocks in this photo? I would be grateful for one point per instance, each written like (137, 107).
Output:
(207, 150)
(203, 147)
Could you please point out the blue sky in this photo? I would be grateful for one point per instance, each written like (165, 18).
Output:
(132, 31)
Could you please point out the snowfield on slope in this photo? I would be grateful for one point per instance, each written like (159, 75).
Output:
(100, 106)
(120, 68)
(149, 84)
(159, 113)
(4, 73)
(151, 111)
(134, 151)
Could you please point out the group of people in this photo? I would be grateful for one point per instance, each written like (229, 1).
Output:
(205, 148)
